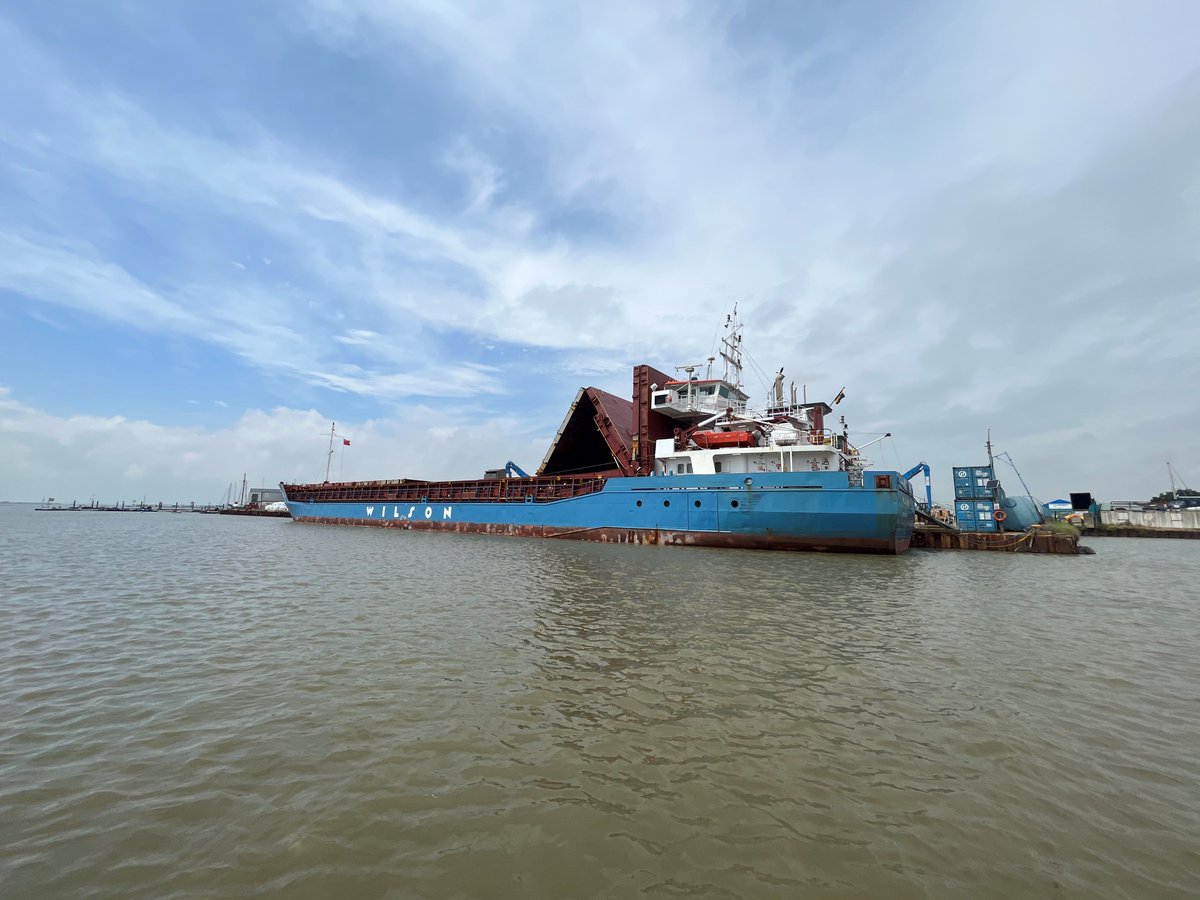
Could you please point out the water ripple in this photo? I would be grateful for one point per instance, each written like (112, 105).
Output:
(197, 706)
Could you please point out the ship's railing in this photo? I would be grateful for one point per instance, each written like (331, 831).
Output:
(826, 437)
(823, 438)
(677, 400)
(697, 404)
(488, 490)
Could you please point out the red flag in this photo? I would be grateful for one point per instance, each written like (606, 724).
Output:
(345, 443)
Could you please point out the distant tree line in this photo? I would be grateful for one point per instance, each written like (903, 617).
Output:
(1168, 496)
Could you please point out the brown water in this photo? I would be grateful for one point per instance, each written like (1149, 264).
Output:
(213, 706)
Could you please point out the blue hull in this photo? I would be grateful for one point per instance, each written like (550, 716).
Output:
(783, 511)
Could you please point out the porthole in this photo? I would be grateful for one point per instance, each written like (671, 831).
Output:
(639, 503)
(666, 503)
(697, 504)
(733, 503)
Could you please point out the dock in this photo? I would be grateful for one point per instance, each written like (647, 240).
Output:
(255, 511)
(190, 507)
(931, 534)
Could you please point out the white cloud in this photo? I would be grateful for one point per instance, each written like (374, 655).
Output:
(483, 177)
(248, 321)
(966, 214)
(731, 178)
(74, 277)
(113, 458)
(449, 380)
(359, 337)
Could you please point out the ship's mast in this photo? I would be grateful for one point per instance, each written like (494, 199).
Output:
(731, 351)
(329, 458)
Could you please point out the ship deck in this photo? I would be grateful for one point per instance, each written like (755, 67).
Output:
(541, 488)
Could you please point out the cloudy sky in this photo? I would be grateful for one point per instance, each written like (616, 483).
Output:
(224, 225)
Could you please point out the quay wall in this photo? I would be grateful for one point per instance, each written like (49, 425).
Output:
(1152, 518)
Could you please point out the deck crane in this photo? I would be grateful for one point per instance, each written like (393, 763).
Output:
(511, 469)
(922, 467)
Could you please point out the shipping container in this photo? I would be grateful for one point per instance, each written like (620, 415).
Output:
(975, 515)
(970, 473)
(973, 520)
(978, 491)
(974, 483)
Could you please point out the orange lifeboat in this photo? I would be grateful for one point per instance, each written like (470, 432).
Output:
(716, 440)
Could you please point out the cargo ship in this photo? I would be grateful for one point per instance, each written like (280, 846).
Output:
(687, 462)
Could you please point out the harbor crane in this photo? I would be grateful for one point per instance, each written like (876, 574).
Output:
(1173, 474)
(908, 476)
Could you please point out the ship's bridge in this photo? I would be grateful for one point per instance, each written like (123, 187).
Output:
(697, 399)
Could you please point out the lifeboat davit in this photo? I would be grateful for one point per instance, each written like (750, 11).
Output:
(716, 440)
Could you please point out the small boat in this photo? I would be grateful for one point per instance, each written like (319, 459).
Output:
(715, 440)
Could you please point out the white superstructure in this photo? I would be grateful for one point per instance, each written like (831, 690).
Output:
(720, 433)
(753, 446)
